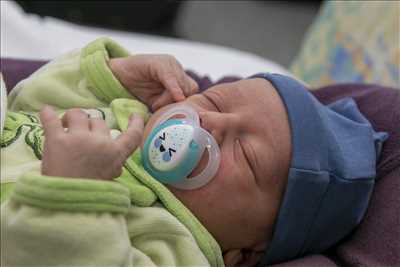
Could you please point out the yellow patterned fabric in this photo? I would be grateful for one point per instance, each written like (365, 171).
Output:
(352, 41)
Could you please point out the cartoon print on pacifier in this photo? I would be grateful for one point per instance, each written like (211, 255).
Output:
(166, 153)
(169, 146)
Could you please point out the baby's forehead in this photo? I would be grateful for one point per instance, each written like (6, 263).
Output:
(244, 92)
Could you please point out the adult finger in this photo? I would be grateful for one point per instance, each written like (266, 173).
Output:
(75, 120)
(129, 140)
(98, 125)
(50, 121)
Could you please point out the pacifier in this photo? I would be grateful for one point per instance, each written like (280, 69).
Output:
(175, 146)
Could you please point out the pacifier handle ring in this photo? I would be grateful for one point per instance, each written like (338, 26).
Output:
(191, 115)
(209, 171)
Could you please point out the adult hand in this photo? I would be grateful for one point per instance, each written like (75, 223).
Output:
(85, 149)
(157, 80)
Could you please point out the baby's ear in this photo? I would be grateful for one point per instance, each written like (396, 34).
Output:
(244, 257)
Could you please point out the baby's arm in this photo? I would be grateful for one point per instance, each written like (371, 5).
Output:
(78, 79)
(99, 73)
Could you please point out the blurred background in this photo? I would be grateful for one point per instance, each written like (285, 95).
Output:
(318, 42)
(271, 29)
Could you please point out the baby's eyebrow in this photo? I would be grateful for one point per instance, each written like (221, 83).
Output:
(211, 99)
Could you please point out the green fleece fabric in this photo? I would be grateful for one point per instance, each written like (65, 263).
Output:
(57, 221)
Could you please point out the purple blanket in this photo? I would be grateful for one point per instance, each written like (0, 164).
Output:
(376, 242)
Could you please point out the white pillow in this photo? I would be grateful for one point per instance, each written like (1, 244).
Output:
(31, 37)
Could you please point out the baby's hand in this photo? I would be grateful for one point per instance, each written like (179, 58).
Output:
(157, 80)
(85, 149)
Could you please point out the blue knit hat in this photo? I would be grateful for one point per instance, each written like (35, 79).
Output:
(331, 176)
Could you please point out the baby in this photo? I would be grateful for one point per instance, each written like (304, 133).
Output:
(294, 176)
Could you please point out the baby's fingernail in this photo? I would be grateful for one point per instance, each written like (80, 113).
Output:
(46, 107)
(136, 116)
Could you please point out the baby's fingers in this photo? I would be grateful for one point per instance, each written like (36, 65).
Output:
(50, 121)
(98, 125)
(129, 140)
(190, 87)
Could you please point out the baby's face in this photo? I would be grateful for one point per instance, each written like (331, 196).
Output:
(249, 121)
